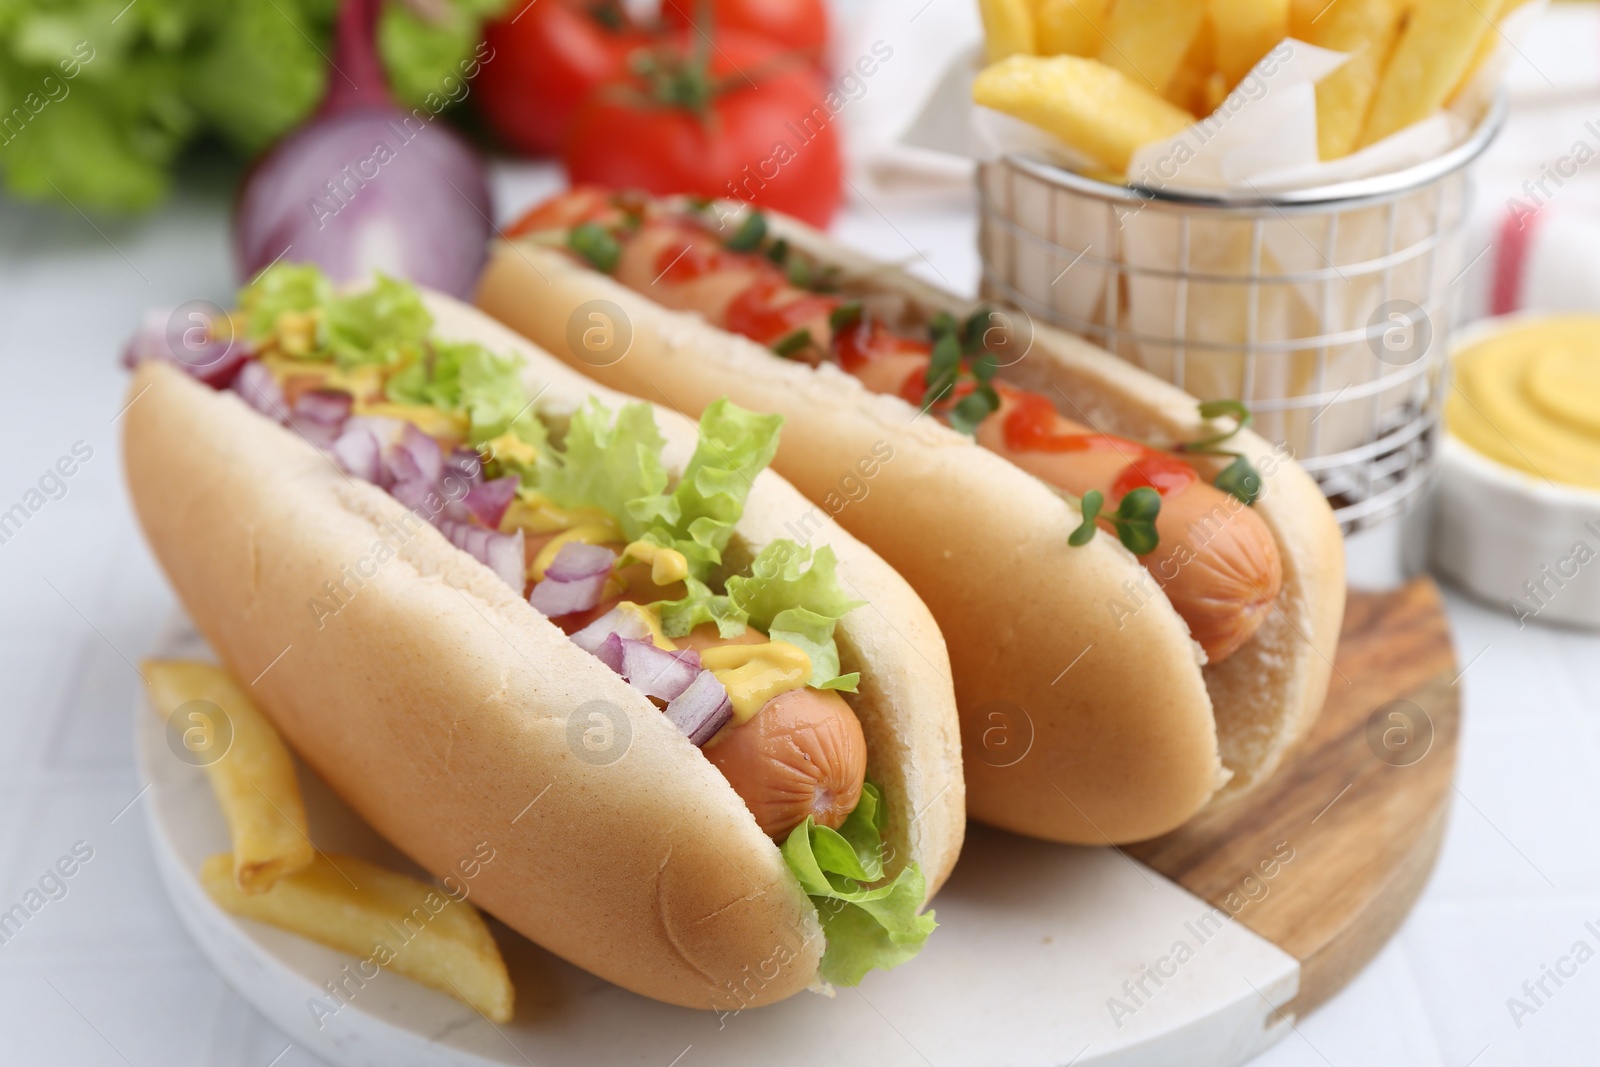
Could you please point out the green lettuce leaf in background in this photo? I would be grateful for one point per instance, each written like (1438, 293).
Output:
(162, 74)
(868, 926)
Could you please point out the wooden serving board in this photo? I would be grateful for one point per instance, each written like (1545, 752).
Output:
(1046, 954)
(1363, 805)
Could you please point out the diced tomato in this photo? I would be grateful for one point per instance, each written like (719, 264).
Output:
(867, 339)
(757, 313)
(585, 203)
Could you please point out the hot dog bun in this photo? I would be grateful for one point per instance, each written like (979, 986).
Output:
(1082, 721)
(436, 701)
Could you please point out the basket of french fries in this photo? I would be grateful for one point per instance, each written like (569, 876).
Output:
(1257, 200)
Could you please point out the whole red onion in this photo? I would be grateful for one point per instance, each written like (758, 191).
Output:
(366, 186)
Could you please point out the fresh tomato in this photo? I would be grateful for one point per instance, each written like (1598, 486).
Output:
(548, 55)
(744, 120)
(801, 25)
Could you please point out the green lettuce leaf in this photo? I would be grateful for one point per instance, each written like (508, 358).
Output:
(787, 575)
(430, 59)
(611, 463)
(281, 288)
(867, 925)
(794, 595)
(385, 322)
(813, 634)
(465, 376)
(615, 464)
(700, 605)
(259, 73)
(118, 91)
(734, 446)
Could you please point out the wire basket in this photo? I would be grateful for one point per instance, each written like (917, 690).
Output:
(1327, 311)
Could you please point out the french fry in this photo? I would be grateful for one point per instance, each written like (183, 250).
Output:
(1303, 14)
(353, 906)
(253, 779)
(1189, 88)
(1246, 30)
(1486, 50)
(1099, 111)
(1147, 39)
(1368, 29)
(1007, 29)
(1070, 27)
(1433, 54)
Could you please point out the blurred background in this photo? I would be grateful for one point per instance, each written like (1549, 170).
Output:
(155, 152)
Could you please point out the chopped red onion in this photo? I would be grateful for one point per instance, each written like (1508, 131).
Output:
(187, 341)
(327, 406)
(702, 709)
(506, 558)
(320, 434)
(655, 672)
(501, 553)
(384, 428)
(260, 390)
(554, 598)
(414, 493)
(359, 453)
(415, 457)
(615, 621)
(576, 560)
(574, 581)
(488, 502)
(467, 463)
(609, 652)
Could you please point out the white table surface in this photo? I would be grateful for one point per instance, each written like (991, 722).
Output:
(106, 975)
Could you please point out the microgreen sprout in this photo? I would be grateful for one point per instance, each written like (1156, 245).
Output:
(795, 342)
(1238, 478)
(952, 342)
(591, 241)
(1134, 520)
(751, 232)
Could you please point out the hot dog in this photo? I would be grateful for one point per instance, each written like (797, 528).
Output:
(1146, 685)
(1223, 588)
(488, 570)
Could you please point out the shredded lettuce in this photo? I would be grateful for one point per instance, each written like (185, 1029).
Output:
(281, 289)
(385, 322)
(467, 377)
(388, 324)
(869, 923)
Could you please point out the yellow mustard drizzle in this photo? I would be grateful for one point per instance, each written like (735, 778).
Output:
(443, 426)
(754, 674)
(360, 382)
(589, 533)
(649, 618)
(296, 331)
(535, 513)
(508, 446)
(667, 565)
